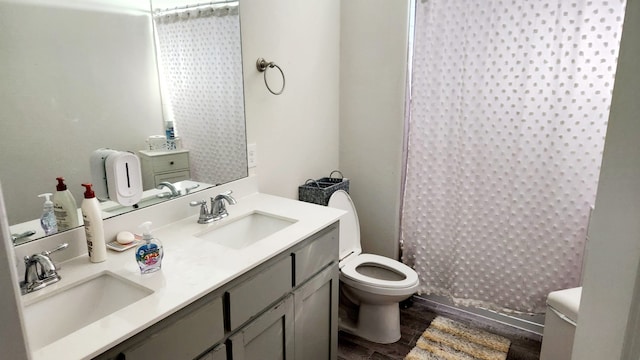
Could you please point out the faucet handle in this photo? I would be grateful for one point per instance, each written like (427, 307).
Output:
(198, 203)
(47, 253)
(57, 248)
(205, 217)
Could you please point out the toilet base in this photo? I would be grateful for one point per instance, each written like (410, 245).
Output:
(376, 323)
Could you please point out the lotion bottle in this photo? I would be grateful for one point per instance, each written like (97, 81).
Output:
(48, 219)
(93, 226)
(65, 207)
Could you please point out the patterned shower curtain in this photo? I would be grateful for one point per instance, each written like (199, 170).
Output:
(200, 60)
(508, 114)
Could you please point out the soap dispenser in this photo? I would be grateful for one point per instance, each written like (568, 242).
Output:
(93, 226)
(65, 207)
(48, 218)
(149, 254)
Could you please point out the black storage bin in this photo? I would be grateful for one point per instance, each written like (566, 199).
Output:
(319, 191)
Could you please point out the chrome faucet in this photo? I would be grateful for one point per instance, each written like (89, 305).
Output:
(218, 207)
(40, 271)
(174, 192)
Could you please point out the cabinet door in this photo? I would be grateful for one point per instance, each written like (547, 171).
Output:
(316, 312)
(191, 335)
(270, 336)
(218, 353)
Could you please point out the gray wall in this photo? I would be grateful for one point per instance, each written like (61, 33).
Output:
(373, 65)
(296, 133)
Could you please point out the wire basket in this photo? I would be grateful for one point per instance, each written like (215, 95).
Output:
(319, 191)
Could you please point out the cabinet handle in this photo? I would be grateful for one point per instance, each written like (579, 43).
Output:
(170, 162)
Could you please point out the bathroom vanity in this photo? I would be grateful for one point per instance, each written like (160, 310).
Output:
(283, 307)
(260, 284)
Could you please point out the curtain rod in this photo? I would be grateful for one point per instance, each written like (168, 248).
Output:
(228, 3)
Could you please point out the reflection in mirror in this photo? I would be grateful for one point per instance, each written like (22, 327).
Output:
(83, 75)
(30, 230)
(206, 107)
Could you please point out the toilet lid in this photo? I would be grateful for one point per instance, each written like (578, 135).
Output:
(566, 301)
(349, 225)
(349, 270)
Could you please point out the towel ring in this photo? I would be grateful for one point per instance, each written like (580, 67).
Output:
(263, 66)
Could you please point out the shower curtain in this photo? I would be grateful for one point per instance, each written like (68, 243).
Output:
(508, 114)
(200, 58)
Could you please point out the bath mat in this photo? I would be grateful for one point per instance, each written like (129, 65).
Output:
(446, 339)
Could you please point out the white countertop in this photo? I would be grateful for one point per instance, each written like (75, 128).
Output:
(191, 268)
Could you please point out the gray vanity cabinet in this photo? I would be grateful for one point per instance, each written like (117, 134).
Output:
(286, 308)
(302, 326)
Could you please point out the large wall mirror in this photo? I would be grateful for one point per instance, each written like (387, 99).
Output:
(84, 75)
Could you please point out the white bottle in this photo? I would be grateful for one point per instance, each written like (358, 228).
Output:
(93, 226)
(65, 207)
(169, 130)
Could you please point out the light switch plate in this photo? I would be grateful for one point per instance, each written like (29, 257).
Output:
(252, 156)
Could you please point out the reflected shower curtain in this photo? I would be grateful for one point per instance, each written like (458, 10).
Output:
(200, 58)
(509, 108)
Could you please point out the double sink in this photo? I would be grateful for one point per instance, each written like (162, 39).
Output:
(69, 308)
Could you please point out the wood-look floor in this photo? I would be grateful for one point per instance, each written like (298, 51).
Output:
(415, 317)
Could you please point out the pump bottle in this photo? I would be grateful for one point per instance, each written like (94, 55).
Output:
(65, 207)
(149, 254)
(48, 219)
(93, 226)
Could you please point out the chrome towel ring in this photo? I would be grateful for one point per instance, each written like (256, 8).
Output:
(263, 65)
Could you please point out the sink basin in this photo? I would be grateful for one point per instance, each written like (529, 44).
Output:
(247, 230)
(67, 310)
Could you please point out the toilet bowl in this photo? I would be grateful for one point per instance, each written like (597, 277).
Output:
(560, 324)
(371, 286)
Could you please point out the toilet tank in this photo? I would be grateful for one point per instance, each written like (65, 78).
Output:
(560, 324)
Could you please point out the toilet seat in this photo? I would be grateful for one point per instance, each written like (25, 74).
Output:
(349, 271)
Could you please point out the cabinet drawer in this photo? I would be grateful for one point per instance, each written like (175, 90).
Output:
(170, 162)
(257, 293)
(186, 338)
(172, 177)
(312, 258)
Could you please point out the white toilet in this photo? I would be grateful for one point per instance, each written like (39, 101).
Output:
(560, 324)
(370, 285)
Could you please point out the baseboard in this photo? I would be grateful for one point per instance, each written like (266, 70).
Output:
(524, 326)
